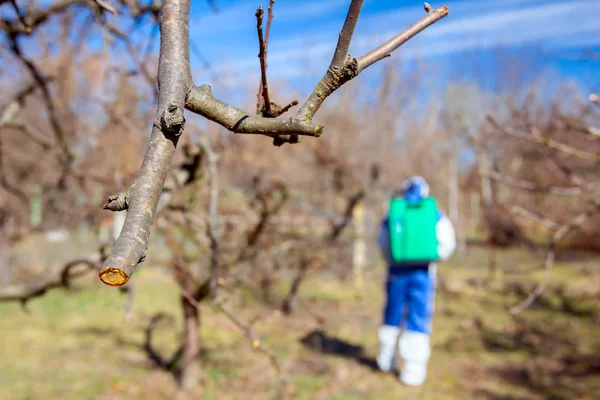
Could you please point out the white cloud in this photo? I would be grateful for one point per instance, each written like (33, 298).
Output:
(544, 23)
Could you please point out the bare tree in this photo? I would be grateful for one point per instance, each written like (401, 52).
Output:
(559, 138)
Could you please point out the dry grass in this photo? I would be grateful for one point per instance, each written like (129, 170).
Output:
(76, 345)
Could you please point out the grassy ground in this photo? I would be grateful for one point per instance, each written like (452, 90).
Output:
(75, 345)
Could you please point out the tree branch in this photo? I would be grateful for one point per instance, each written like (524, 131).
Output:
(386, 49)
(563, 231)
(345, 37)
(174, 81)
(534, 187)
(536, 137)
(25, 291)
(219, 303)
(343, 67)
(176, 91)
(264, 102)
(201, 101)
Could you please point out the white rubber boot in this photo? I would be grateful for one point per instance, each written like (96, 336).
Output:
(388, 343)
(415, 351)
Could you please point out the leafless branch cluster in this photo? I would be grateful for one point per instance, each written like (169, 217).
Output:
(177, 92)
(585, 187)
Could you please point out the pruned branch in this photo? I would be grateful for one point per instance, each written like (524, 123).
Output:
(174, 77)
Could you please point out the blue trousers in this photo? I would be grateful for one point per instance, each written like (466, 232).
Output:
(410, 298)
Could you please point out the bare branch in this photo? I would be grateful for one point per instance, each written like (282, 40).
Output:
(21, 16)
(582, 127)
(36, 17)
(27, 131)
(201, 101)
(61, 278)
(343, 67)
(535, 217)
(269, 22)
(105, 6)
(536, 137)
(174, 77)
(42, 83)
(264, 102)
(534, 187)
(345, 37)
(386, 49)
(564, 230)
(245, 328)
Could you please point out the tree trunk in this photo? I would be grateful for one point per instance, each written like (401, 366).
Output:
(291, 300)
(190, 368)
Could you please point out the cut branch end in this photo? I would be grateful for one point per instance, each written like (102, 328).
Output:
(113, 276)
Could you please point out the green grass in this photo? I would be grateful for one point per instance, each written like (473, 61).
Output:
(76, 345)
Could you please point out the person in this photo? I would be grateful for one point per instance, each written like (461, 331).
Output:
(428, 236)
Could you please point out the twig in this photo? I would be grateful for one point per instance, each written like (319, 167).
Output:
(386, 49)
(41, 81)
(245, 328)
(345, 37)
(264, 102)
(105, 6)
(27, 131)
(269, 21)
(21, 16)
(344, 68)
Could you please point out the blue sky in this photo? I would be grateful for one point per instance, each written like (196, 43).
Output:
(543, 34)
(536, 37)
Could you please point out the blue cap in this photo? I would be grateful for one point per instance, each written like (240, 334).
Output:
(415, 189)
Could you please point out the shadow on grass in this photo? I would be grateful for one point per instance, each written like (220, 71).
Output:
(319, 342)
(170, 364)
(557, 366)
